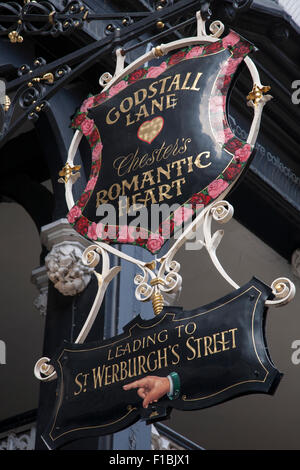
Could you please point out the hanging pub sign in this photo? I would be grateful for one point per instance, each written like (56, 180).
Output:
(217, 352)
(161, 145)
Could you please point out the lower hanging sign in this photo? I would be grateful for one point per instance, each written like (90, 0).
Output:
(207, 356)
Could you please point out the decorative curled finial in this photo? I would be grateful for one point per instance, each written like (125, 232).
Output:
(67, 172)
(257, 94)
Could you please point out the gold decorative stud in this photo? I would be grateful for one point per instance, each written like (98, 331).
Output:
(47, 77)
(160, 25)
(279, 287)
(51, 17)
(7, 103)
(257, 93)
(158, 52)
(15, 37)
(151, 265)
(67, 171)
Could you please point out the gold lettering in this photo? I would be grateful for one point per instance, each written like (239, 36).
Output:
(128, 185)
(184, 87)
(151, 369)
(207, 339)
(163, 192)
(152, 89)
(123, 370)
(117, 188)
(165, 338)
(193, 87)
(114, 374)
(142, 113)
(138, 100)
(128, 121)
(190, 347)
(175, 82)
(130, 103)
(178, 164)
(99, 377)
(166, 173)
(197, 161)
(100, 197)
(163, 84)
(186, 329)
(78, 383)
(147, 178)
(116, 117)
(178, 184)
(141, 363)
(162, 357)
(171, 101)
(232, 331)
(179, 330)
(174, 362)
(107, 376)
(158, 105)
(130, 373)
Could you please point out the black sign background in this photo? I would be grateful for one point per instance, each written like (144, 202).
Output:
(233, 360)
(165, 140)
(186, 130)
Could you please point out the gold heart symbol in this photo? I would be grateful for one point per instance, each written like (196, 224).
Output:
(149, 130)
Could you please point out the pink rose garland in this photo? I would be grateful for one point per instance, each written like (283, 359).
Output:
(215, 188)
(231, 39)
(96, 151)
(155, 242)
(153, 72)
(182, 214)
(88, 103)
(118, 87)
(242, 155)
(87, 126)
(194, 52)
(74, 214)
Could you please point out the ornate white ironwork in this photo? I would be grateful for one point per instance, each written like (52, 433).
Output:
(66, 270)
(159, 442)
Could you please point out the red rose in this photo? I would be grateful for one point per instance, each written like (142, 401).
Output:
(241, 49)
(95, 168)
(223, 84)
(199, 199)
(94, 137)
(166, 228)
(136, 75)
(100, 98)
(242, 154)
(78, 120)
(232, 171)
(141, 236)
(82, 225)
(175, 58)
(83, 200)
(214, 47)
(233, 145)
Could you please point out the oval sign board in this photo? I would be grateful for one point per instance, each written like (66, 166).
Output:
(161, 145)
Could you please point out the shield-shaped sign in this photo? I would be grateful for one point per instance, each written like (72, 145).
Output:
(219, 352)
(161, 145)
